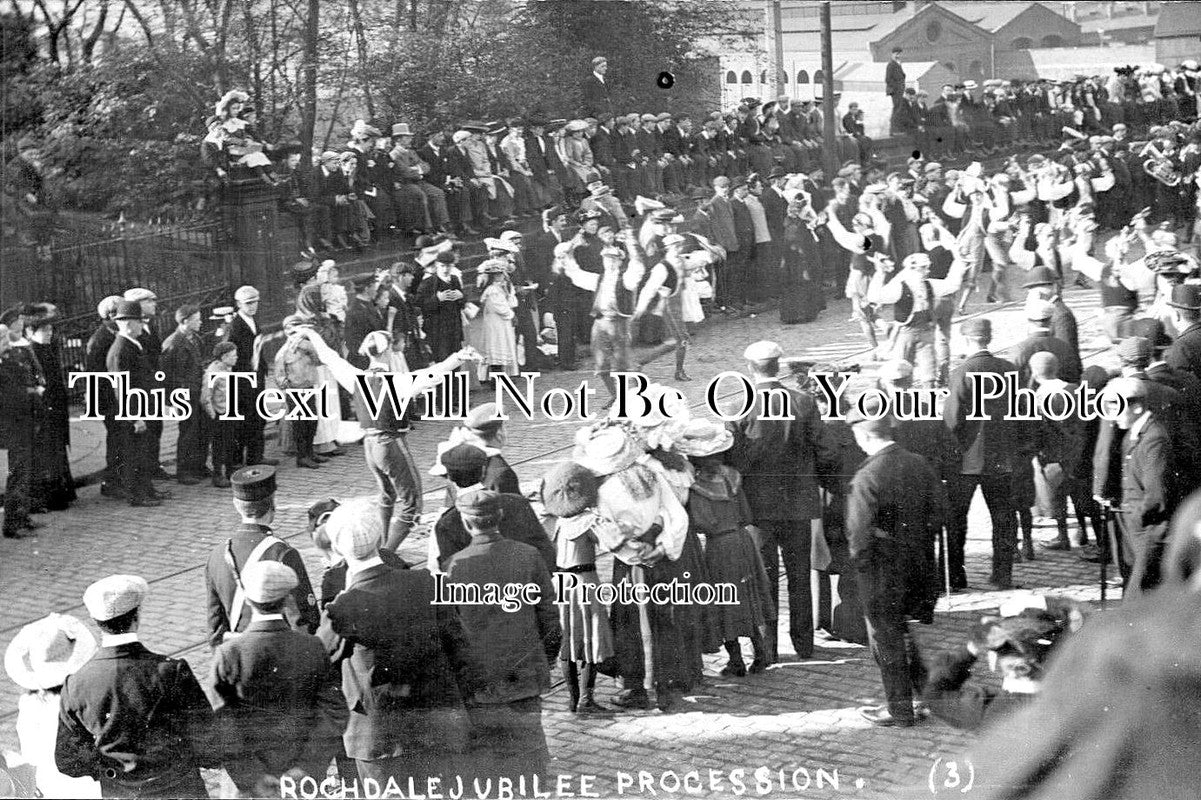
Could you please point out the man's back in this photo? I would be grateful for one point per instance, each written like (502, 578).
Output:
(513, 647)
(988, 446)
(519, 523)
(779, 459)
(137, 720)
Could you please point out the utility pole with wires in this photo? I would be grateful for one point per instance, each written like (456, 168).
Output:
(829, 137)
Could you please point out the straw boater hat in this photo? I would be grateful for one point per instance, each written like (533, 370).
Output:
(702, 437)
(605, 451)
(44, 653)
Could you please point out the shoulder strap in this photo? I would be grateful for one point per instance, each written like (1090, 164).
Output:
(239, 601)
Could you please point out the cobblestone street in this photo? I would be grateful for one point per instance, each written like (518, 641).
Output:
(793, 731)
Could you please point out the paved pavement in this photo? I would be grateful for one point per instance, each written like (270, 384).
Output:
(797, 721)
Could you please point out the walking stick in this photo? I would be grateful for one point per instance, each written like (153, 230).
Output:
(946, 563)
(1103, 547)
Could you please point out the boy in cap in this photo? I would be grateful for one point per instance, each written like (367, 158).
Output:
(254, 500)
(393, 640)
(515, 647)
(894, 514)
(277, 708)
(135, 720)
(220, 435)
(244, 333)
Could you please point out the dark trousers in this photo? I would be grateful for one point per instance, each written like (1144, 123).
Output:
(134, 465)
(897, 656)
(250, 429)
(1140, 553)
(222, 437)
(792, 539)
(732, 280)
(20, 476)
(303, 432)
(998, 496)
(112, 475)
(565, 324)
(507, 740)
(190, 447)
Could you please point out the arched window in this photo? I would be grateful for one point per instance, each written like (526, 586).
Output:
(802, 77)
(1022, 43)
(763, 76)
(818, 76)
(1053, 41)
(731, 77)
(746, 76)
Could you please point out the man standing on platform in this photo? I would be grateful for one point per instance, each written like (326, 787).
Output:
(894, 81)
(253, 541)
(595, 90)
(779, 460)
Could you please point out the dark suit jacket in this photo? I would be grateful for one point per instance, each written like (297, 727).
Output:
(19, 407)
(125, 356)
(1185, 352)
(277, 705)
(516, 647)
(780, 461)
(988, 446)
(402, 657)
(500, 477)
(138, 722)
(776, 209)
(930, 439)
(894, 78)
(362, 318)
(1044, 342)
(220, 583)
(895, 510)
(243, 338)
(602, 148)
(519, 524)
(595, 96)
(1149, 493)
(182, 361)
(1063, 326)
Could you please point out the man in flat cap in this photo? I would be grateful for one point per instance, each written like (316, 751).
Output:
(134, 720)
(780, 461)
(515, 647)
(466, 467)
(278, 710)
(894, 513)
(136, 449)
(1144, 490)
(244, 333)
(989, 448)
(253, 541)
(406, 664)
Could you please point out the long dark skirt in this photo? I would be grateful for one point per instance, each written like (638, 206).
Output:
(645, 637)
(733, 558)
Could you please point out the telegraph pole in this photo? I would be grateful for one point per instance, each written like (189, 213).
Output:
(829, 142)
(775, 36)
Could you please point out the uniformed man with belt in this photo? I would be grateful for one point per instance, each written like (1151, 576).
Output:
(254, 499)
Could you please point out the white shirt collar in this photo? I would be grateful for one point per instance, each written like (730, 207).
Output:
(599, 77)
(117, 639)
(249, 321)
(255, 616)
(1139, 424)
(130, 338)
(354, 566)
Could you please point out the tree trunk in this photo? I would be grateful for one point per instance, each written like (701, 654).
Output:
(89, 43)
(356, 18)
(308, 89)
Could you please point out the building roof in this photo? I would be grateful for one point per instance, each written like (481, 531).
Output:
(854, 34)
(989, 16)
(1178, 19)
(1128, 22)
(1062, 63)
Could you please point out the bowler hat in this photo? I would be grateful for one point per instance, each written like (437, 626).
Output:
(128, 309)
(1187, 296)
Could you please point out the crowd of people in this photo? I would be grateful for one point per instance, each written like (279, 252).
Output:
(363, 670)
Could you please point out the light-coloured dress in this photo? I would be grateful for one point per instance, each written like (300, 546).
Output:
(37, 731)
(496, 338)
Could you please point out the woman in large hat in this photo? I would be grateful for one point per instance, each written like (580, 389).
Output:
(718, 509)
(39, 659)
(492, 332)
(53, 488)
(651, 527)
(569, 495)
